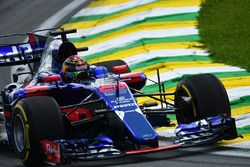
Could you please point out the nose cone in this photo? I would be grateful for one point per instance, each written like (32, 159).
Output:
(140, 129)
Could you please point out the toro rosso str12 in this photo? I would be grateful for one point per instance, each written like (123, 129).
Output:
(48, 120)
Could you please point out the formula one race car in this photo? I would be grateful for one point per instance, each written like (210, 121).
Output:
(53, 120)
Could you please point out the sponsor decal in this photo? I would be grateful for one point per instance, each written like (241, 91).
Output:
(110, 88)
(52, 151)
(121, 114)
(147, 136)
(124, 105)
(120, 100)
(10, 52)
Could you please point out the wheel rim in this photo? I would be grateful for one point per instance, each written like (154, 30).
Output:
(19, 133)
(189, 113)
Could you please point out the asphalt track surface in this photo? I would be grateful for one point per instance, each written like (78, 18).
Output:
(26, 15)
(19, 16)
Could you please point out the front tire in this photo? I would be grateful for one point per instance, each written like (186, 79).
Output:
(200, 96)
(35, 119)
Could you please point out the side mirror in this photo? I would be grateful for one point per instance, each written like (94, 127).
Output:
(120, 69)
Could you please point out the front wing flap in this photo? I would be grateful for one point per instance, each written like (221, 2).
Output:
(63, 151)
(205, 131)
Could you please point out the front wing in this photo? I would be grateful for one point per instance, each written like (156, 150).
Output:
(206, 131)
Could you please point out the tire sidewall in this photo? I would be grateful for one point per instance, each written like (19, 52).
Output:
(24, 155)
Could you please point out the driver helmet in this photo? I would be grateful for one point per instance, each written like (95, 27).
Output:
(75, 69)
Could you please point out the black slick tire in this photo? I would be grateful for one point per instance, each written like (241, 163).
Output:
(200, 96)
(35, 119)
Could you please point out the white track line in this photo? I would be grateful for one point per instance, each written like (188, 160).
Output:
(56, 18)
(111, 8)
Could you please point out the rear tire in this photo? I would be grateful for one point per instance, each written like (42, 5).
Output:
(110, 64)
(199, 97)
(35, 119)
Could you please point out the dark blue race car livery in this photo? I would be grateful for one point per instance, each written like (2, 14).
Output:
(48, 120)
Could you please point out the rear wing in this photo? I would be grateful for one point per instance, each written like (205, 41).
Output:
(22, 53)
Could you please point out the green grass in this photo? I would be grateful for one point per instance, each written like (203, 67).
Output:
(224, 27)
